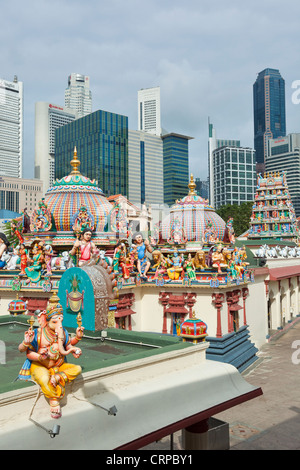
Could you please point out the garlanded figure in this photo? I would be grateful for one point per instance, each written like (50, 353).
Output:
(190, 267)
(46, 349)
(176, 270)
(120, 260)
(142, 246)
(88, 251)
(34, 272)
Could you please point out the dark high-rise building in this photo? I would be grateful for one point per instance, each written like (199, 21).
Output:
(101, 139)
(269, 112)
(176, 166)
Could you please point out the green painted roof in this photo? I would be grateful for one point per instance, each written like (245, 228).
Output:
(120, 346)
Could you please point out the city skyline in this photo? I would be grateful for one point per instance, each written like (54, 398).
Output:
(202, 71)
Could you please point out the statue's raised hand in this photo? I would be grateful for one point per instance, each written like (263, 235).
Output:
(29, 336)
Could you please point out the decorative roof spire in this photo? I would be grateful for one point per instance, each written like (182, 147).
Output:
(75, 163)
(192, 187)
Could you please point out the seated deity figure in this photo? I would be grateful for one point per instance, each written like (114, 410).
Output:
(83, 220)
(34, 272)
(46, 349)
(176, 270)
(218, 258)
(160, 263)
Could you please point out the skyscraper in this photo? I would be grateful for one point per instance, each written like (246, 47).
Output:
(48, 117)
(234, 175)
(11, 128)
(149, 110)
(101, 139)
(176, 166)
(213, 144)
(78, 95)
(269, 112)
(145, 168)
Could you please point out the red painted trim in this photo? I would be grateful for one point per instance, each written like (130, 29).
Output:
(191, 420)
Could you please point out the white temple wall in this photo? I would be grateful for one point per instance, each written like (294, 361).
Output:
(257, 311)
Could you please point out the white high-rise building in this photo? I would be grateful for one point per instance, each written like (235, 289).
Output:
(11, 128)
(145, 168)
(213, 144)
(78, 95)
(149, 119)
(48, 118)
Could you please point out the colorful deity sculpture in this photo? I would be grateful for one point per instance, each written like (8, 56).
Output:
(34, 272)
(176, 269)
(229, 236)
(23, 254)
(46, 349)
(86, 248)
(177, 234)
(120, 260)
(209, 235)
(219, 259)
(161, 263)
(142, 247)
(83, 220)
(190, 267)
(41, 220)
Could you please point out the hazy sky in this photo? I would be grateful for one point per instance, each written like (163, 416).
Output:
(204, 55)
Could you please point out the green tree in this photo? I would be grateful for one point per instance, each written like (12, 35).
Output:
(241, 216)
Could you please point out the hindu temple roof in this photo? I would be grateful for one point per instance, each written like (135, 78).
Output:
(192, 214)
(70, 193)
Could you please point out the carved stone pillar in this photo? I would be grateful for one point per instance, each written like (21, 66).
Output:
(245, 293)
(164, 300)
(217, 300)
(233, 307)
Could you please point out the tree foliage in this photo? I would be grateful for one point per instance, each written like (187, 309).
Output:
(241, 216)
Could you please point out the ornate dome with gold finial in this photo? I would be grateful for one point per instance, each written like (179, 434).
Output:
(69, 194)
(192, 215)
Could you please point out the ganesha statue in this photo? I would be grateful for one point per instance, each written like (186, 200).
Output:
(46, 349)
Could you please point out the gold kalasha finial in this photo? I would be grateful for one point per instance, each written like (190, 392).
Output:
(75, 163)
(192, 186)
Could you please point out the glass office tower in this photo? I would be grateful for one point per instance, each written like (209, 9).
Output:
(269, 112)
(101, 139)
(176, 167)
(234, 175)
